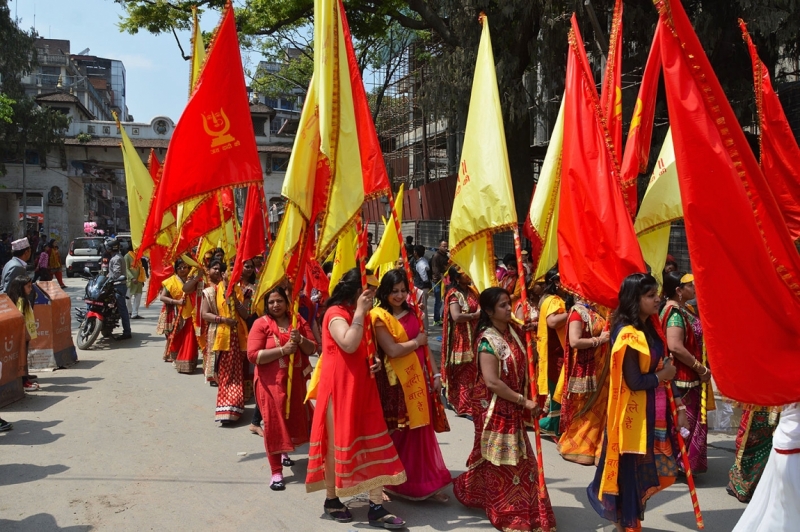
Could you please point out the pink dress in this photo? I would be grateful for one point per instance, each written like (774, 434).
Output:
(418, 448)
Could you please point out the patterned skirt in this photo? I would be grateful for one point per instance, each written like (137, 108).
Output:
(460, 381)
(230, 382)
(508, 494)
(697, 442)
(753, 445)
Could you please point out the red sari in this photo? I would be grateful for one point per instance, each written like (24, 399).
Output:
(502, 476)
(281, 435)
(364, 453)
(459, 368)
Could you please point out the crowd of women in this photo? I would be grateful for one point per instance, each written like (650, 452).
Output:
(614, 389)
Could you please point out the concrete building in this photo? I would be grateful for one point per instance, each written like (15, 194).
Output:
(85, 180)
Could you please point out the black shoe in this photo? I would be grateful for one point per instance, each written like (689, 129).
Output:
(137, 318)
(5, 425)
(277, 486)
(287, 462)
(123, 337)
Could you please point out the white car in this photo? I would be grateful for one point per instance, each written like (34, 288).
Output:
(85, 252)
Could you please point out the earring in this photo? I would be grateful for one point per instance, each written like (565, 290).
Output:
(680, 298)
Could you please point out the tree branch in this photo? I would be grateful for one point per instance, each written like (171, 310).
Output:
(183, 54)
(285, 22)
(438, 25)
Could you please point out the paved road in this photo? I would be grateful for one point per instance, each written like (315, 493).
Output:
(121, 441)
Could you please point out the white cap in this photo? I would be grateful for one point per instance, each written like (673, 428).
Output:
(19, 245)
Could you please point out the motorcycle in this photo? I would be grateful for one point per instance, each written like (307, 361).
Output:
(101, 315)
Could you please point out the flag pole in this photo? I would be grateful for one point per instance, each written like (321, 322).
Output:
(531, 370)
(689, 478)
(410, 281)
(361, 259)
(302, 249)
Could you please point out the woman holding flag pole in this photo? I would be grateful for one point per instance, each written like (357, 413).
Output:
(638, 456)
(227, 339)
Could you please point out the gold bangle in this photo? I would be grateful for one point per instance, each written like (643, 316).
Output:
(521, 400)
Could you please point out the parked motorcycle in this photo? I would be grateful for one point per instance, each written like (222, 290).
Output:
(101, 315)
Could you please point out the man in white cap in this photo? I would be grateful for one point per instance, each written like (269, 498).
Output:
(21, 252)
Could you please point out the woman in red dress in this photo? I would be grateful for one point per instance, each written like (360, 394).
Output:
(502, 476)
(458, 332)
(351, 451)
(280, 354)
(403, 385)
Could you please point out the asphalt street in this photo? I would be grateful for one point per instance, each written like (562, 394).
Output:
(121, 441)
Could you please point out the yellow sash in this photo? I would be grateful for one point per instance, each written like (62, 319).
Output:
(175, 288)
(141, 278)
(30, 319)
(627, 409)
(405, 369)
(222, 338)
(311, 393)
(550, 305)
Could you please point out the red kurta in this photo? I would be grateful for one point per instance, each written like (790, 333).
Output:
(365, 455)
(271, 381)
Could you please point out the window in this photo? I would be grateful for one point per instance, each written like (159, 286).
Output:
(275, 125)
(258, 126)
(272, 102)
(279, 163)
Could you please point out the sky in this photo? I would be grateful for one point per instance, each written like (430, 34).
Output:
(157, 75)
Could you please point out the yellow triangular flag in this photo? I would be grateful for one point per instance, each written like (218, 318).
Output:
(388, 250)
(484, 201)
(198, 52)
(660, 207)
(345, 256)
(544, 205)
(139, 185)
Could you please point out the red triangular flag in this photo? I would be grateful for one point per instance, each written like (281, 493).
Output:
(744, 261)
(780, 155)
(252, 240)
(597, 246)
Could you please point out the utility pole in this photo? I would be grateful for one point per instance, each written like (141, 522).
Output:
(24, 184)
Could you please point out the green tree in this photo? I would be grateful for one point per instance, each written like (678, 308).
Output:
(6, 111)
(24, 125)
(530, 42)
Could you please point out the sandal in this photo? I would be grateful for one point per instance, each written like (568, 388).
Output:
(277, 486)
(337, 511)
(439, 497)
(380, 517)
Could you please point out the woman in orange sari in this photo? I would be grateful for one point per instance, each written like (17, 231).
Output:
(502, 476)
(176, 319)
(459, 368)
(227, 339)
(585, 396)
(280, 354)
(638, 456)
(351, 451)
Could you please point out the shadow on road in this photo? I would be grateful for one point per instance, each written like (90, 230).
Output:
(40, 523)
(29, 433)
(713, 519)
(35, 402)
(65, 384)
(11, 474)
(86, 364)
